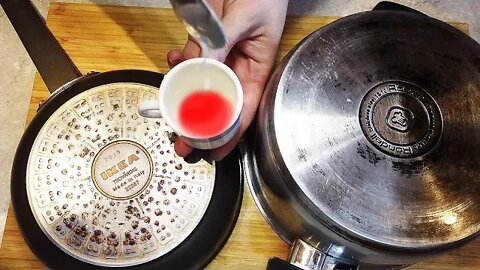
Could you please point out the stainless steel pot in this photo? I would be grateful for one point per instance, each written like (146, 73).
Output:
(365, 150)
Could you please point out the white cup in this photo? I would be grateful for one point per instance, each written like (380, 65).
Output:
(184, 79)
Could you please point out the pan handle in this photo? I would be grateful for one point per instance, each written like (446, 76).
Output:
(54, 65)
(303, 256)
(390, 6)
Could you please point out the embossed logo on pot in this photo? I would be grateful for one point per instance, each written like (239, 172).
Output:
(122, 170)
(400, 119)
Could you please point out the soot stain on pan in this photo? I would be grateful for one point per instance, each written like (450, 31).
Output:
(368, 154)
(318, 170)
(409, 168)
(302, 155)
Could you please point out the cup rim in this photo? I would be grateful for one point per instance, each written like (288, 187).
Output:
(238, 106)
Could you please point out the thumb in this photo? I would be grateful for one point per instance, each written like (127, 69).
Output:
(235, 30)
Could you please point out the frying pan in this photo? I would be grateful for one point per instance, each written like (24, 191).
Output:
(208, 231)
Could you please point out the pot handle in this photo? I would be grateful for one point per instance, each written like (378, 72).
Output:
(54, 65)
(390, 6)
(304, 256)
(279, 264)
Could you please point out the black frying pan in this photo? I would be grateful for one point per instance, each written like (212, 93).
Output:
(65, 81)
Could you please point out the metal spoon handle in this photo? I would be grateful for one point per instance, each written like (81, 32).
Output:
(200, 21)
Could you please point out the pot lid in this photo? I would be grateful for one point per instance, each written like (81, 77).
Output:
(377, 121)
(105, 185)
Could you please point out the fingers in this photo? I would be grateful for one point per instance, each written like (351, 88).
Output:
(236, 29)
(174, 57)
(182, 149)
(221, 152)
(191, 49)
(217, 7)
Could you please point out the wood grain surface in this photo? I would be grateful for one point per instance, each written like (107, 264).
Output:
(103, 38)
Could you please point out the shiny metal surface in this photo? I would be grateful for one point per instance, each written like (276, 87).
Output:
(305, 256)
(200, 21)
(320, 164)
(308, 257)
(105, 184)
(292, 222)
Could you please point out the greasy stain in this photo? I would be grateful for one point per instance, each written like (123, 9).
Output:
(368, 154)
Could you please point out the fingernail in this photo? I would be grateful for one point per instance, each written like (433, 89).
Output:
(172, 137)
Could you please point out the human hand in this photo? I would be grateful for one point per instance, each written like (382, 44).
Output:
(253, 29)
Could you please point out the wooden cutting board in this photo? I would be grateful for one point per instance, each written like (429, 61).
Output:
(103, 38)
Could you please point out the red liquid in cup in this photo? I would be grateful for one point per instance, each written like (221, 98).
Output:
(205, 113)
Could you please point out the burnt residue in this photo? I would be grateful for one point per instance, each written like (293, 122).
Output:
(369, 78)
(476, 63)
(368, 154)
(409, 168)
(302, 155)
(318, 170)
(357, 219)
